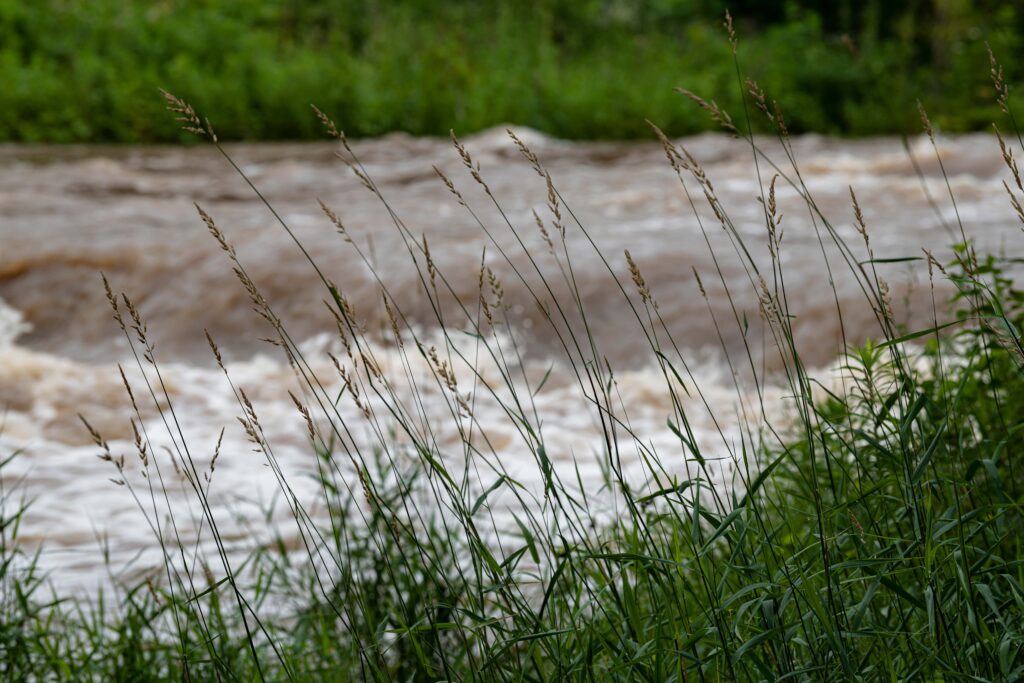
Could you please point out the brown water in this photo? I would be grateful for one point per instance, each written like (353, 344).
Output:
(68, 213)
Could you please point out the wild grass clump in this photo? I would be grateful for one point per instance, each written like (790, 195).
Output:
(872, 533)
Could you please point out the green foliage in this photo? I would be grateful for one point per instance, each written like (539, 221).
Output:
(86, 71)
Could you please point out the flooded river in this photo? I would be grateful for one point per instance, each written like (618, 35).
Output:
(68, 213)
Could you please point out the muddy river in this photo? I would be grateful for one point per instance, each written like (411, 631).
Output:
(69, 213)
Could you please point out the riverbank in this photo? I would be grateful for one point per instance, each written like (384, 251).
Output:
(90, 72)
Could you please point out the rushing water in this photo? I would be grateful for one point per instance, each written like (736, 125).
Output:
(69, 213)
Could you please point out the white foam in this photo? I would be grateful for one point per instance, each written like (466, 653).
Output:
(75, 503)
(12, 325)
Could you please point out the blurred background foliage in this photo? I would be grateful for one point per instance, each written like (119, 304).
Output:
(88, 70)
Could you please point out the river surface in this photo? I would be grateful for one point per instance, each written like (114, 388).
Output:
(68, 213)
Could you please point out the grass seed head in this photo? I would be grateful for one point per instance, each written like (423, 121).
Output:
(187, 116)
(335, 220)
(638, 278)
(700, 284)
(757, 93)
(1008, 158)
(730, 30)
(543, 231)
(926, 123)
(450, 185)
(328, 124)
(998, 81)
(718, 115)
(526, 152)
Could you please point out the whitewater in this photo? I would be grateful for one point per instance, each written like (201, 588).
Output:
(69, 213)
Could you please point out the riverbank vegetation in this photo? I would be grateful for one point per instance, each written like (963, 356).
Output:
(86, 71)
(872, 533)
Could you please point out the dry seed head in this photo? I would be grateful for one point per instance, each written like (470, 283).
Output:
(214, 348)
(393, 319)
(996, 70)
(128, 388)
(463, 152)
(332, 130)
(967, 262)
(932, 263)
(450, 185)
(486, 307)
(885, 294)
(353, 388)
(365, 484)
(526, 152)
(480, 287)
(363, 178)
(859, 217)
(338, 366)
(215, 231)
(713, 201)
(730, 30)
(260, 304)
(758, 94)
(97, 439)
(700, 284)
(768, 306)
(187, 116)
(675, 159)
(137, 325)
(553, 206)
(497, 291)
(442, 369)
(780, 121)
(335, 220)
(690, 163)
(341, 325)
(638, 278)
(364, 408)
(543, 231)
(431, 270)
(305, 416)
(372, 369)
(250, 430)
(216, 454)
(474, 168)
(112, 299)
(774, 219)
(356, 171)
(719, 116)
(772, 208)
(1008, 159)
(925, 121)
(1015, 202)
(216, 450)
(346, 306)
(249, 409)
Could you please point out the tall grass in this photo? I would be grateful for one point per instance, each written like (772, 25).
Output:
(872, 533)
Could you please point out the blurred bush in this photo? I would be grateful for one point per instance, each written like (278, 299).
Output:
(80, 71)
